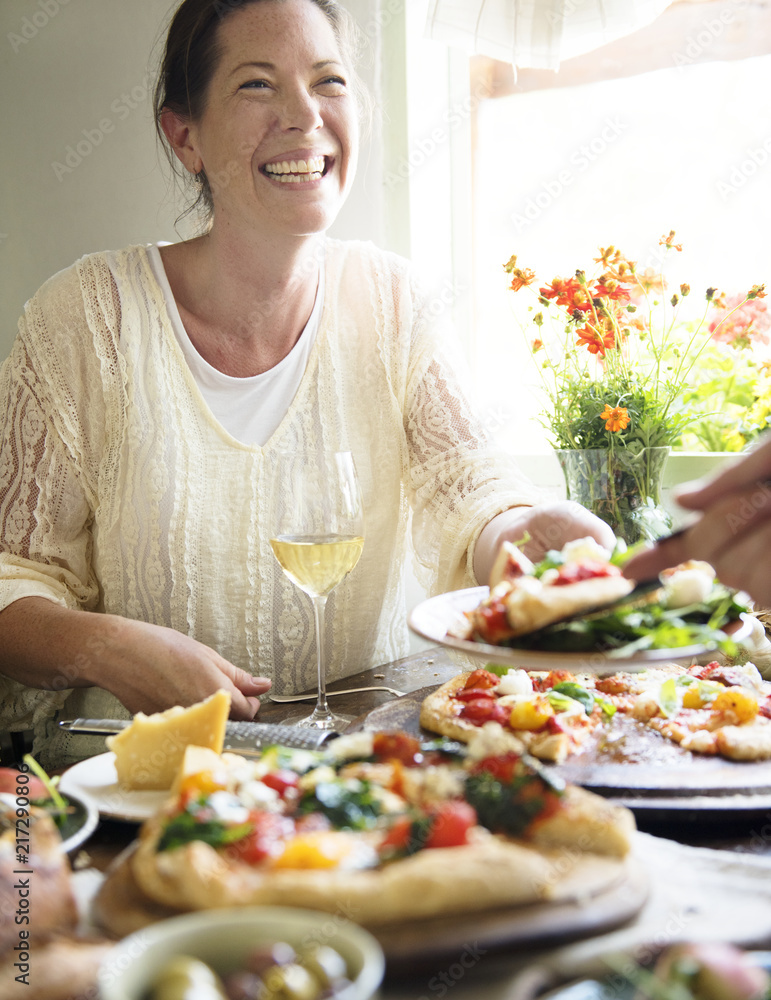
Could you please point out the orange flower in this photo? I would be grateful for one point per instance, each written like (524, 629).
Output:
(521, 277)
(594, 341)
(616, 417)
(669, 241)
(536, 345)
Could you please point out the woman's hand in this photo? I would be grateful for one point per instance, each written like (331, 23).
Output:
(152, 667)
(733, 534)
(548, 525)
(148, 668)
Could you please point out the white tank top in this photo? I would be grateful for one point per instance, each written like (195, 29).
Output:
(250, 409)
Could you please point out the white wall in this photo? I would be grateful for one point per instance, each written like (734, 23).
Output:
(76, 78)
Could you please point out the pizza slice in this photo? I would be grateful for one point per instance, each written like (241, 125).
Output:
(380, 826)
(577, 599)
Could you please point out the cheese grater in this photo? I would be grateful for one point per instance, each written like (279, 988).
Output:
(246, 738)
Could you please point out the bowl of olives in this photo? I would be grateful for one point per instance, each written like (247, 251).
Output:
(245, 953)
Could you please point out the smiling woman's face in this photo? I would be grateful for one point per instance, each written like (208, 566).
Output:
(278, 135)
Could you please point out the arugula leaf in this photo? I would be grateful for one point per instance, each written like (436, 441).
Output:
(348, 805)
(552, 560)
(667, 699)
(502, 807)
(185, 828)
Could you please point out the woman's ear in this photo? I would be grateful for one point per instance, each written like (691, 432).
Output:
(181, 139)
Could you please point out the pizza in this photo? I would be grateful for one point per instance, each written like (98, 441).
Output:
(711, 709)
(577, 599)
(379, 826)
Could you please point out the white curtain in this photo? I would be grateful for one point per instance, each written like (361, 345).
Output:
(537, 33)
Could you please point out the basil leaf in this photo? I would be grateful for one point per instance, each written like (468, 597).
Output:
(577, 693)
(560, 702)
(497, 669)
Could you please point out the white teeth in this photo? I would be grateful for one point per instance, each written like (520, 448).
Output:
(297, 169)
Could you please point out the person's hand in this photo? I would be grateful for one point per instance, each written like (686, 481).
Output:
(150, 668)
(548, 526)
(733, 534)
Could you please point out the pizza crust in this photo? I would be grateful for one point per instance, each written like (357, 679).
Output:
(489, 873)
(531, 605)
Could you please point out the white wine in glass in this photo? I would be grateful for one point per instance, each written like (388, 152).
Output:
(317, 534)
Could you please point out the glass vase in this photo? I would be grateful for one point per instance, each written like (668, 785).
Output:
(620, 487)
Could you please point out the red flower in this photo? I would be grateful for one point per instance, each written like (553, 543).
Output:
(594, 341)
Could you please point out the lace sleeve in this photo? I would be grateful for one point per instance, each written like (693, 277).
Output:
(46, 493)
(458, 481)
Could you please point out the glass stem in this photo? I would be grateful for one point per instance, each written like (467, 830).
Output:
(319, 604)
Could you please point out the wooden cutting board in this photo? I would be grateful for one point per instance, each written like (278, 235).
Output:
(594, 896)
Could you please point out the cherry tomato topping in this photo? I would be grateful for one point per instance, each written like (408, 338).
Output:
(398, 836)
(482, 710)
(397, 746)
(492, 624)
(469, 694)
(481, 678)
(451, 824)
(586, 569)
(280, 781)
(266, 839)
(502, 768)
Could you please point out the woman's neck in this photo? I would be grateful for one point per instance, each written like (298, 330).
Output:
(244, 305)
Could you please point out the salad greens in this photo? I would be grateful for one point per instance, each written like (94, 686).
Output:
(624, 629)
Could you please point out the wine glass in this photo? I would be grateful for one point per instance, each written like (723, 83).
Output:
(317, 534)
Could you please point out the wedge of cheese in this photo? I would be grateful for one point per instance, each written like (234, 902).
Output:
(148, 753)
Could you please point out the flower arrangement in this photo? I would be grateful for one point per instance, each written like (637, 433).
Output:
(627, 376)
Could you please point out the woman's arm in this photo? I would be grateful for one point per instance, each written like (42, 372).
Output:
(148, 668)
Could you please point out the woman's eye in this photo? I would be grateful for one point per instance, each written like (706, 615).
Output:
(336, 82)
(254, 85)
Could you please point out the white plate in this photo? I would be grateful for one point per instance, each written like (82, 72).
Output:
(97, 779)
(432, 619)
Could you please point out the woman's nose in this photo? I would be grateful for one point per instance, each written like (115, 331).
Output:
(300, 110)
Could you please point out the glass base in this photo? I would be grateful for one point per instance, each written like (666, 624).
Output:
(320, 720)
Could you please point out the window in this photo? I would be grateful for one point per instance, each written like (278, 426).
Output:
(667, 129)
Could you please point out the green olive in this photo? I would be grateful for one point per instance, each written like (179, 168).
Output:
(326, 964)
(291, 982)
(186, 978)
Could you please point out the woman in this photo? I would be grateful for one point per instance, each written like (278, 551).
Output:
(149, 388)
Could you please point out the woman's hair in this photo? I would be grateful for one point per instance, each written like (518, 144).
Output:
(190, 60)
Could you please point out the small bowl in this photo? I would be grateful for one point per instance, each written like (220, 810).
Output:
(223, 938)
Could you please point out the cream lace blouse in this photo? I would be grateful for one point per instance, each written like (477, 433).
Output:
(120, 491)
